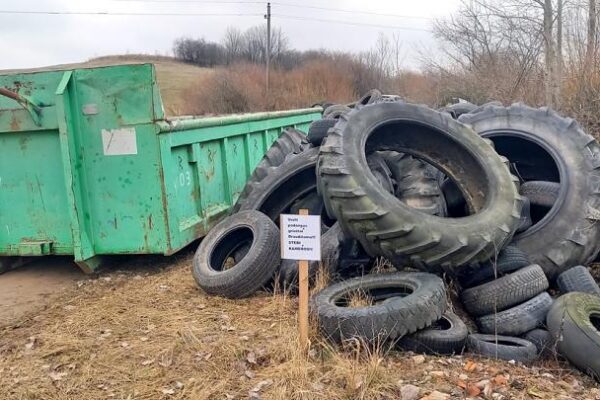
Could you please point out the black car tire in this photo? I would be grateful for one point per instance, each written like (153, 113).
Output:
(502, 347)
(256, 267)
(505, 292)
(395, 312)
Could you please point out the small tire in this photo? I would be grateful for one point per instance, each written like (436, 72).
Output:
(574, 321)
(335, 111)
(502, 347)
(371, 97)
(541, 193)
(249, 274)
(509, 259)
(519, 319)
(505, 292)
(446, 336)
(543, 341)
(526, 221)
(577, 279)
(458, 109)
(394, 315)
(317, 131)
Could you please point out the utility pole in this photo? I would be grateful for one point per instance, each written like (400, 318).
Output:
(268, 58)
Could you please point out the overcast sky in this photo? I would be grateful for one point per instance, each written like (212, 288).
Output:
(33, 40)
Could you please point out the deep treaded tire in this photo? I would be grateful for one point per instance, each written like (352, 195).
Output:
(574, 320)
(448, 336)
(570, 233)
(502, 347)
(381, 171)
(505, 292)
(416, 183)
(291, 141)
(577, 279)
(284, 185)
(541, 193)
(249, 274)
(379, 220)
(394, 313)
(519, 319)
(509, 259)
(318, 130)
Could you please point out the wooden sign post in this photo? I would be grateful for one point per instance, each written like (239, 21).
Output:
(303, 298)
(301, 240)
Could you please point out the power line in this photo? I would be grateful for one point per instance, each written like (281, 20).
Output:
(336, 21)
(191, 1)
(133, 14)
(296, 5)
(351, 11)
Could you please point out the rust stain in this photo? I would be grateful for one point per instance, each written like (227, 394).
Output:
(150, 223)
(209, 174)
(15, 125)
(116, 223)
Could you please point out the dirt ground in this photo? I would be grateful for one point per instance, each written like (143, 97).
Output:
(31, 288)
(142, 330)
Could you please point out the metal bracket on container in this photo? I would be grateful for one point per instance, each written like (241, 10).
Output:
(28, 103)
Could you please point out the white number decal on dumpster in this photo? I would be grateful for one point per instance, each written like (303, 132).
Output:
(185, 178)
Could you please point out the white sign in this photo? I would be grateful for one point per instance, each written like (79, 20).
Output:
(300, 237)
(117, 142)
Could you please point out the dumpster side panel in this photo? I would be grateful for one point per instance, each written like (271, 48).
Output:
(206, 168)
(120, 159)
(34, 214)
(33, 206)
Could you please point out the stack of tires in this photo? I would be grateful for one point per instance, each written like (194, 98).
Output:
(501, 200)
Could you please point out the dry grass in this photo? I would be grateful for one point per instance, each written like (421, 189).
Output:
(241, 88)
(149, 333)
(174, 77)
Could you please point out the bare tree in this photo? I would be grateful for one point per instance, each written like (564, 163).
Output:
(255, 44)
(559, 52)
(233, 43)
(198, 51)
(549, 50)
(591, 33)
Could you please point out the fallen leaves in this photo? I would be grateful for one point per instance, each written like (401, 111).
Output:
(435, 395)
(472, 390)
(470, 366)
(418, 359)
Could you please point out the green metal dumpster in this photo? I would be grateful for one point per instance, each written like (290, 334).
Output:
(90, 166)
